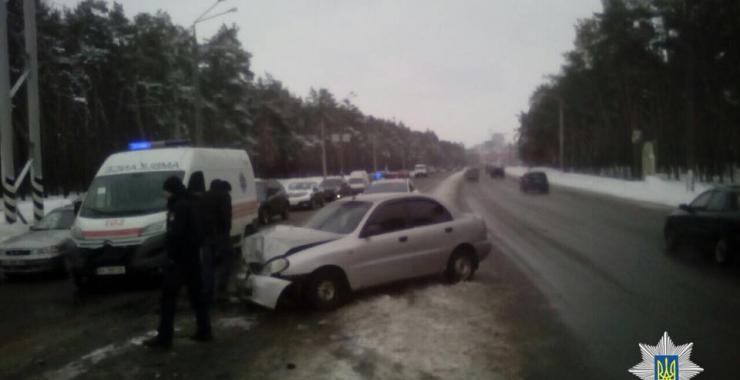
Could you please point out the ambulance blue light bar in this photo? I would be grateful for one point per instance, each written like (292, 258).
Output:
(143, 145)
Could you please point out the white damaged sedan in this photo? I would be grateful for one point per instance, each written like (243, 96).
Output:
(362, 242)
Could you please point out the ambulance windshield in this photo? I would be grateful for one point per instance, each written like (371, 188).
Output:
(128, 194)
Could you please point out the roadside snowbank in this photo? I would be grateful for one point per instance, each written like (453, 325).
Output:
(652, 189)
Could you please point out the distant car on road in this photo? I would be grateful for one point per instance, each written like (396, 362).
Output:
(358, 185)
(711, 220)
(472, 174)
(305, 194)
(399, 185)
(496, 171)
(535, 181)
(273, 200)
(335, 188)
(363, 242)
(42, 248)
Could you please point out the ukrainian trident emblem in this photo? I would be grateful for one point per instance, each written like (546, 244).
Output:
(666, 361)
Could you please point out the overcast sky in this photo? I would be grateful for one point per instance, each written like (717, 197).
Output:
(462, 68)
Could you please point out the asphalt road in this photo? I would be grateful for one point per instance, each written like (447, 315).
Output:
(595, 281)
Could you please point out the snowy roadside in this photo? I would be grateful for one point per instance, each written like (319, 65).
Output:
(26, 208)
(653, 189)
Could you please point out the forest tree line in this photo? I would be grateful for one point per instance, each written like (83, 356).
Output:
(664, 72)
(106, 80)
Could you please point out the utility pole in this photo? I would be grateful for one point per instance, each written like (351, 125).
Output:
(32, 91)
(196, 89)
(323, 141)
(561, 134)
(375, 148)
(6, 127)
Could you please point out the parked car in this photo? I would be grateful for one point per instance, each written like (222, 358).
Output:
(399, 185)
(305, 194)
(420, 170)
(390, 236)
(273, 200)
(358, 181)
(711, 220)
(42, 248)
(472, 174)
(534, 181)
(358, 185)
(335, 188)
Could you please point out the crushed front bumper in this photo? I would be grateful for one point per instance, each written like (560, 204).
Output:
(263, 290)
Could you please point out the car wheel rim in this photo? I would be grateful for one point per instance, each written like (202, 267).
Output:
(463, 268)
(326, 291)
(720, 252)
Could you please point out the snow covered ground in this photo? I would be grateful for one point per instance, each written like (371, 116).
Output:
(652, 189)
(26, 208)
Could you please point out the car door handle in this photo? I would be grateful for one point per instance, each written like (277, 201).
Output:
(403, 239)
(448, 229)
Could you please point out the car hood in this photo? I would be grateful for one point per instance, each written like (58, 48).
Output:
(37, 239)
(283, 240)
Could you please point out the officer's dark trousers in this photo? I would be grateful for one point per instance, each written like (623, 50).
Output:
(175, 276)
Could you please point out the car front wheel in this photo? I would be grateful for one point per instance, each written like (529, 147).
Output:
(722, 253)
(325, 290)
(461, 267)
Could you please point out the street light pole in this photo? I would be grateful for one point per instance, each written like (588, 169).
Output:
(561, 134)
(196, 71)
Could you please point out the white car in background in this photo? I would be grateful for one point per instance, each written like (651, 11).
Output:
(305, 194)
(359, 243)
(399, 185)
(420, 170)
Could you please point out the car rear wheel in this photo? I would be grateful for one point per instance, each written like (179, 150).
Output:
(460, 267)
(326, 289)
(722, 253)
(285, 214)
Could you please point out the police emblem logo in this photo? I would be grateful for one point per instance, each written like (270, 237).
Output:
(666, 361)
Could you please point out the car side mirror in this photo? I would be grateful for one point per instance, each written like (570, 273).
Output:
(685, 207)
(371, 230)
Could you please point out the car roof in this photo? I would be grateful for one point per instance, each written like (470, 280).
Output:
(380, 197)
(392, 180)
(732, 188)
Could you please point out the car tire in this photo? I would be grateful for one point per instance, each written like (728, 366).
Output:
(461, 266)
(722, 252)
(83, 283)
(326, 289)
(264, 218)
(672, 240)
(285, 215)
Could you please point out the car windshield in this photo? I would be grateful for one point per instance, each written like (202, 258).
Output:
(331, 182)
(387, 187)
(301, 186)
(126, 195)
(340, 218)
(56, 220)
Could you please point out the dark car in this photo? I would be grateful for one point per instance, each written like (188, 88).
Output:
(496, 171)
(273, 200)
(534, 182)
(335, 188)
(472, 174)
(711, 220)
(42, 248)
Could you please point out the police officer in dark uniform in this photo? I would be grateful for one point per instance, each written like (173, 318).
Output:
(183, 243)
(217, 216)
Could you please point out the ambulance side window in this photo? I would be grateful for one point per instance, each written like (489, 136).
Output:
(197, 182)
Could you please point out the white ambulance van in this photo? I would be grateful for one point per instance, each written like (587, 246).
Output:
(120, 228)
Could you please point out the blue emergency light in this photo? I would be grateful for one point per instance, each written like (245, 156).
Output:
(377, 175)
(143, 145)
(139, 145)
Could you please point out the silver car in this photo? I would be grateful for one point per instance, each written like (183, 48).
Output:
(42, 248)
(359, 243)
